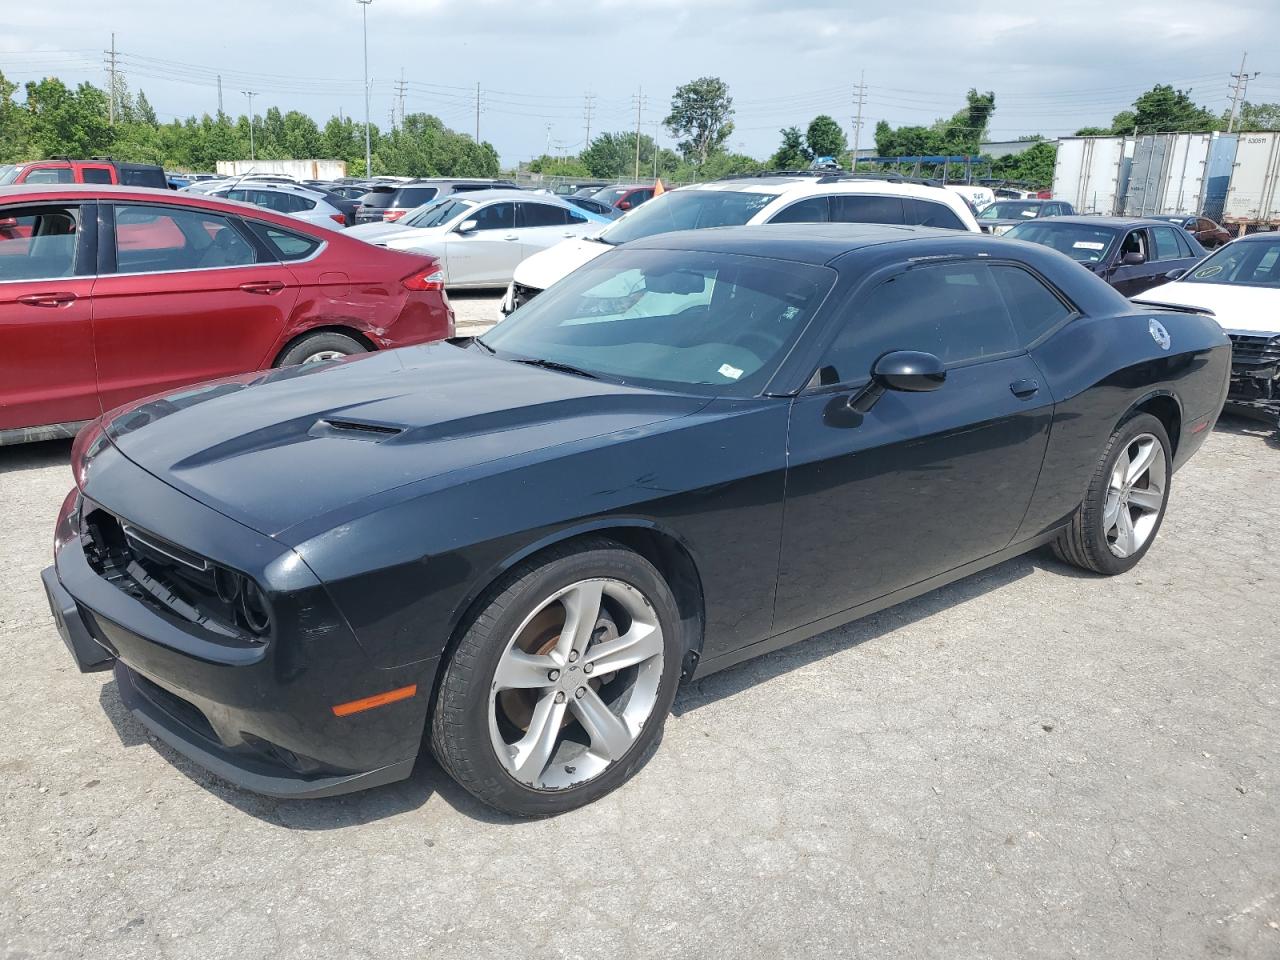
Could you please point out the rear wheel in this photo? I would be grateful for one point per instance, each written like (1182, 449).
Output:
(319, 347)
(1115, 525)
(558, 689)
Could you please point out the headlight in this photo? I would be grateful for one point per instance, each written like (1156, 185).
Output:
(89, 442)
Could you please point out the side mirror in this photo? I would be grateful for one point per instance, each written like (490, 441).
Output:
(907, 371)
(468, 226)
(1132, 259)
(624, 204)
(1176, 274)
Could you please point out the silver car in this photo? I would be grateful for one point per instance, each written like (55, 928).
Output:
(294, 201)
(480, 237)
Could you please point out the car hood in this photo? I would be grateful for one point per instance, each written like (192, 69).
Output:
(543, 269)
(1241, 309)
(272, 450)
(379, 232)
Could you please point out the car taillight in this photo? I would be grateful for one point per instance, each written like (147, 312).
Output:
(338, 218)
(390, 215)
(431, 278)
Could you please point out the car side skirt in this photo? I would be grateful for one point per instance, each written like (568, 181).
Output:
(796, 634)
(50, 431)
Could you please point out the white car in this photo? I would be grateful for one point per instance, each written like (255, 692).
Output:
(1239, 283)
(294, 201)
(979, 197)
(807, 198)
(481, 235)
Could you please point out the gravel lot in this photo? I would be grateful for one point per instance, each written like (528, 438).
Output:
(1030, 763)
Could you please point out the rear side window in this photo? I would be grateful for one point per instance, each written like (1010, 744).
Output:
(543, 215)
(95, 175)
(1035, 308)
(931, 214)
(141, 175)
(49, 175)
(1184, 243)
(810, 210)
(414, 196)
(955, 311)
(285, 244)
(163, 239)
(867, 209)
(1166, 243)
(38, 243)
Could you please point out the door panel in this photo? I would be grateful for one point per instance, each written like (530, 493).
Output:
(185, 305)
(487, 255)
(922, 484)
(46, 336)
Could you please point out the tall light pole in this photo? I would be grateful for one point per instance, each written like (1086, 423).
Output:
(250, 94)
(364, 19)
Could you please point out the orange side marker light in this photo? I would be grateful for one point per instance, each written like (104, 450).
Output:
(377, 700)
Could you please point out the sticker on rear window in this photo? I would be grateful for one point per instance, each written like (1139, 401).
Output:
(733, 373)
(1088, 245)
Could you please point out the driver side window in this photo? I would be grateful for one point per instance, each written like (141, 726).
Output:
(954, 311)
(1135, 242)
(496, 216)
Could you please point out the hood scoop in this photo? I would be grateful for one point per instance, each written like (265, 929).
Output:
(354, 429)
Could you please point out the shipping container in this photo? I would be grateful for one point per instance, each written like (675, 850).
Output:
(298, 169)
(1090, 173)
(1168, 174)
(1217, 178)
(1254, 193)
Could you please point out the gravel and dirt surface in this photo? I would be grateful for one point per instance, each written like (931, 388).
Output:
(1029, 763)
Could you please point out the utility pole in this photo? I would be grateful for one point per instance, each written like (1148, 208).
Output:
(364, 22)
(400, 87)
(588, 106)
(111, 67)
(477, 111)
(859, 98)
(639, 108)
(1241, 84)
(547, 151)
(657, 128)
(250, 94)
(219, 95)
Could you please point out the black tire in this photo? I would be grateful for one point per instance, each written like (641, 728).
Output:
(460, 737)
(324, 342)
(1083, 542)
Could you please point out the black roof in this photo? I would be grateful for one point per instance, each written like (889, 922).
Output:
(801, 242)
(1115, 223)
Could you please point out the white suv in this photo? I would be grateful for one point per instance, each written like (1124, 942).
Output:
(313, 206)
(764, 199)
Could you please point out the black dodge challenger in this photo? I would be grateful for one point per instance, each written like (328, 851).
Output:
(696, 449)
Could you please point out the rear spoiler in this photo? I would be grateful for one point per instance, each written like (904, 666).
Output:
(1174, 308)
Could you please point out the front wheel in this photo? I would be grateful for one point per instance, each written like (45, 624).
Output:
(1115, 525)
(557, 691)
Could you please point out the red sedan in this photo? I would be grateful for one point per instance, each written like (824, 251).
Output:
(108, 294)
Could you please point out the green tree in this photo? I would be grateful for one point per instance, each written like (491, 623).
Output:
(559, 166)
(701, 118)
(825, 138)
(1162, 109)
(612, 156)
(1094, 132)
(14, 126)
(64, 121)
(144, 112)
(1034, 165)
(1255, 116)
(792, 154)
(960, 134)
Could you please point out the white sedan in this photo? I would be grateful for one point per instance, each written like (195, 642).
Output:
(1240, 285)
(480, 236)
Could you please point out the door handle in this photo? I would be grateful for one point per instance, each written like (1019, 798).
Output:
(510, 236)
(1022, 389)
(265, 287)
(47, 299)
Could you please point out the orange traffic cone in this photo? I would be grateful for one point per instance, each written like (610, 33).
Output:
(658, 188)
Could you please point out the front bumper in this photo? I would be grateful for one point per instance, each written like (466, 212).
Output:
(261, 717)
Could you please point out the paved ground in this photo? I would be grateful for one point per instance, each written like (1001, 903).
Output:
(475, 312)
(1030, 763)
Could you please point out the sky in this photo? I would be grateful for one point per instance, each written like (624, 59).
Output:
(1054, 66)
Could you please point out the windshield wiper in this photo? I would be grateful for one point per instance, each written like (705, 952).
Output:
(599, 239)
(555, 365)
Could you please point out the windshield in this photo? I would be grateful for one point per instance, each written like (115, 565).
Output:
(439, 213)
(8, 172)
(1079, 241)
(687, 210)
(698, 322)
(1255, 263)
(1010, 210)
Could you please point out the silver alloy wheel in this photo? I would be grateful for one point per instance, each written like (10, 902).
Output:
(320, 356)
(1135, 495)
(576, 684)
